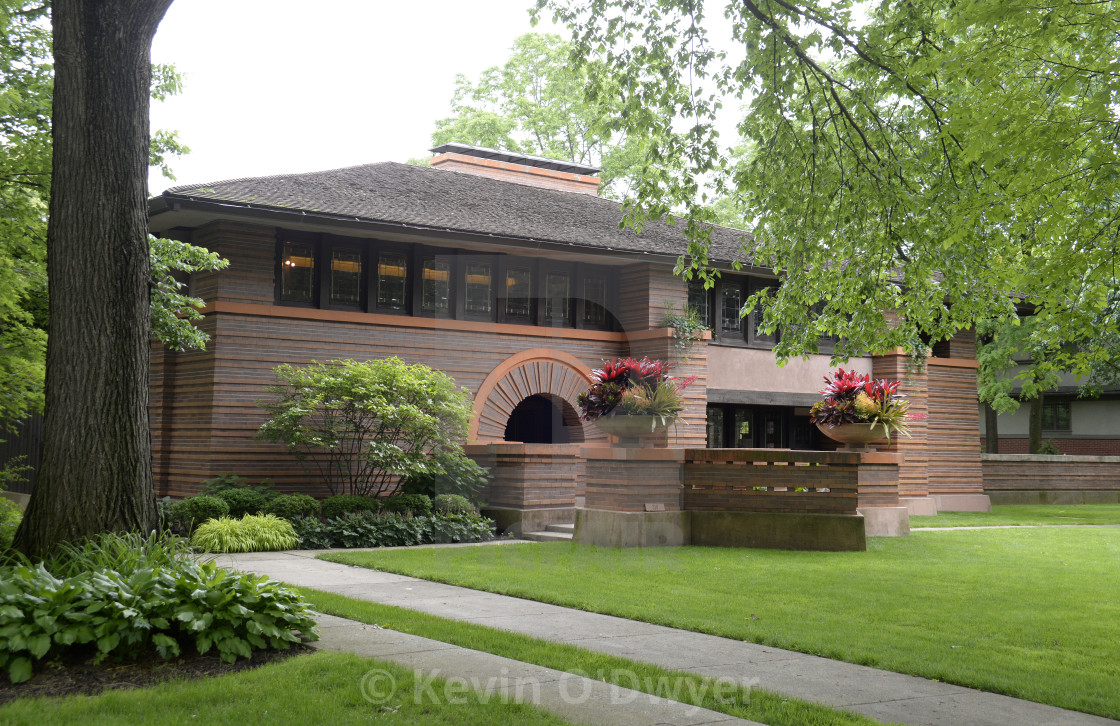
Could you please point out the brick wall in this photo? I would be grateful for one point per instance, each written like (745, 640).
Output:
(530, 476)
(953, 449)
(1072, 447)
(1027, 472)
(519, 173)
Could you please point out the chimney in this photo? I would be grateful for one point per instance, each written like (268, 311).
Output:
(534, 171)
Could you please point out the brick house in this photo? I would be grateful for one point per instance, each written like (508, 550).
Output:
(510, 274)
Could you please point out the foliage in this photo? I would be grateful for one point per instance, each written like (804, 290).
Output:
(26, 100)
(293, 506)
(193, 511)
(415, 504)
(460, 476)
(243, 501)
(173, 311)
(127, 601)
(688, 328)
(229, 480)
(368, 529)
(455, 503)
(341, 504)
(123, 553)
(911, 169)
(13, 471)
(362, 425)
(251, 533)
(1049, 449)
(633, 387)
(535, 104)
(851, 397)
(10, 515)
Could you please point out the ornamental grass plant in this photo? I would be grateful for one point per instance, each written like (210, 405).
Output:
(851, 397)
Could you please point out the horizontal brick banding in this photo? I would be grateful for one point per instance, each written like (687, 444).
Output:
(530, 476)
(1030, 472)
(1074, 446)
(954, 424)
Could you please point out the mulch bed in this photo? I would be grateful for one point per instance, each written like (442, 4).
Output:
(63, 678)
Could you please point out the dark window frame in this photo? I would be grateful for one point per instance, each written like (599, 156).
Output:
(1052, 408)
(505, 262)
(550, 267)
(462, 262)
(420, 254)
(308, 238)
(584, 272)
(328, 244)
(391, 248)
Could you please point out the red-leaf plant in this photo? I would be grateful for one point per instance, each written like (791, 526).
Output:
(618, 376)
(851, 397)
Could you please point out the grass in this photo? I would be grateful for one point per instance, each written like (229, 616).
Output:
(747, 703)
(1032, 613)
(322, 688)
(1024, 514)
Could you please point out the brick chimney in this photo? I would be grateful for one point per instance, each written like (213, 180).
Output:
(534, 171)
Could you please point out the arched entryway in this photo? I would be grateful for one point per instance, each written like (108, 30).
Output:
(548, 377)
(544, 419)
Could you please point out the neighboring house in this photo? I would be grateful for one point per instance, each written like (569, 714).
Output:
(510, 274)
(1072, 425)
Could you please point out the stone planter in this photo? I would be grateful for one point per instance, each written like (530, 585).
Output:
(631, 430)
(853, 435)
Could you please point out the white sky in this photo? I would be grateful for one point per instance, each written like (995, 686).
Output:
(277, 86)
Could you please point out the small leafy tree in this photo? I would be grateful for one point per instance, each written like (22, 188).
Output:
(362, 426)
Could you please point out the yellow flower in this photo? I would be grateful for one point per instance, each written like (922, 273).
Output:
(864, 406)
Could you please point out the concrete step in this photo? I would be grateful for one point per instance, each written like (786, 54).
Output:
(562, 528)
(548, 536)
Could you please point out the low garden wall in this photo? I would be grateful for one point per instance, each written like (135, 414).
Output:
(738, 497)
(1041, 479)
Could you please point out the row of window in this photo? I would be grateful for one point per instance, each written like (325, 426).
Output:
(733, 426)
(374, 276)
(720, 308)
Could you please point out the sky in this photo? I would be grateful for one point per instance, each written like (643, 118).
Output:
(279, 86)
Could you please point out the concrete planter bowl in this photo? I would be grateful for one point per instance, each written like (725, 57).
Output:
(853, 435)
(630, 430)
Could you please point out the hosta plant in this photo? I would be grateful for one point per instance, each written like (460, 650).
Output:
(851, 397)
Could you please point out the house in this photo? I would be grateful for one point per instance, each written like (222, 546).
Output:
(509, 273)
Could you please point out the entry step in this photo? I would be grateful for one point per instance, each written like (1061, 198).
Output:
(552, 533)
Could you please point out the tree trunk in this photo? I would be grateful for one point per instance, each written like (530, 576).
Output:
(95, 472)
(1035, 435)
(991, 429)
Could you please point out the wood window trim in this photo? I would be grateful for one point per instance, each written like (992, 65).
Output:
(505, 262)
(328, 244)
(420, 253)
(308, 238)
(463, 260)
(377, 248)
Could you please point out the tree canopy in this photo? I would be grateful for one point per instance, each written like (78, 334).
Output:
(535, 104)
(914, 169)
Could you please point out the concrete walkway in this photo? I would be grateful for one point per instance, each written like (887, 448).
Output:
(882, 695)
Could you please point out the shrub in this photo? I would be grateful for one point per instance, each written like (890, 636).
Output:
(263, 533)
(341, 504)
(459, 476)
(243, 501)
(10, 517)
(417, 504)
(392, 530)
(192, 512)
(453, 503)
(361, 426)
(229, 480)
(293, 506)
(138, 596)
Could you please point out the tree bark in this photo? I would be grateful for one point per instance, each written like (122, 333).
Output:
(95, 473)
(1034, 441)
(991, 429)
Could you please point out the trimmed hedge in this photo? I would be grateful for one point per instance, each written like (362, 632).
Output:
(416, 504)
(341, 504)
(243, 502)
(192, 512)
(391, 530)
(293, 506)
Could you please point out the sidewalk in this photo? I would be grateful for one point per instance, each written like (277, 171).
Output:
(882, 695)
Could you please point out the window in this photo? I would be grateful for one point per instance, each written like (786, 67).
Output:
(297, 272)
(754, 329)
(715, 428)
(435, 286)
(477, 288)
(519, 292)
(731, 305)
(698, 300)
(346, 277)
(595, 302)
(392, 279)
(1056, 416)
(558, 297)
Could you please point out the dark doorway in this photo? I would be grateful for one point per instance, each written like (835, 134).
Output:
(543, 419)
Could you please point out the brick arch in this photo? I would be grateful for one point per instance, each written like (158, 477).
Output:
(544, 371)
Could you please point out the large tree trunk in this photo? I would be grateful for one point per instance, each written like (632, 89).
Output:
(95, 472)
(991, 429)
(1034, 435)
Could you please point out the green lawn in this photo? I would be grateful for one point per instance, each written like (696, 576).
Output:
(1027, 612)
(321, 688)
(752, 704)
(1021, 514)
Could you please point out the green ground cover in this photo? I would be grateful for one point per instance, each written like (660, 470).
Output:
(751, 703)
(1027, 612)
(1024, 514)
(321, 688)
